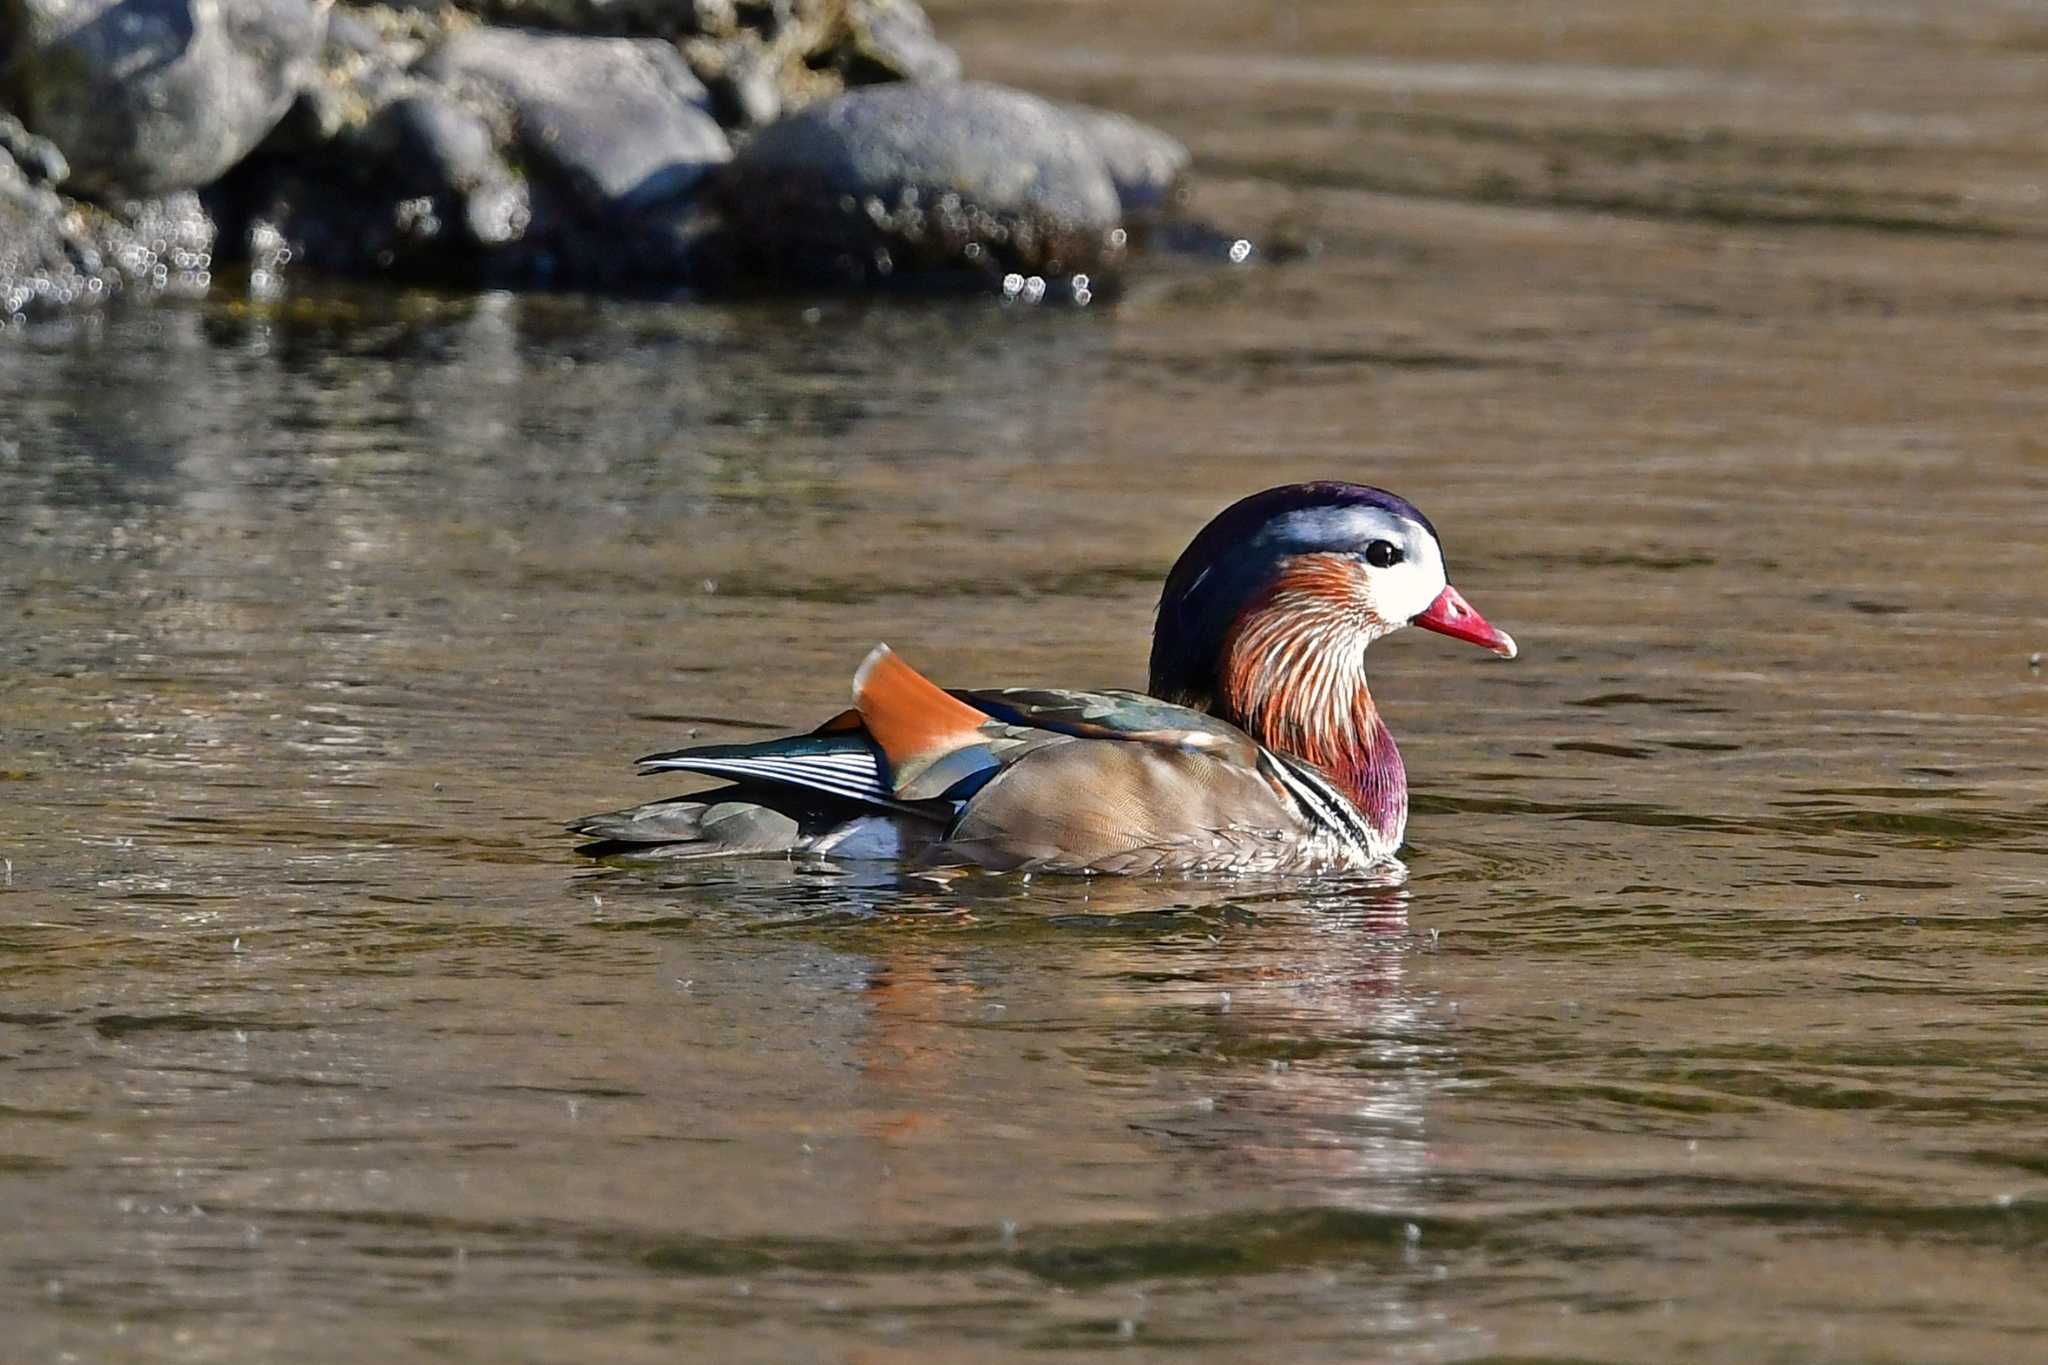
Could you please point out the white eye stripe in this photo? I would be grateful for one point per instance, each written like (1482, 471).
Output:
(1342, 527)
(1401, 591)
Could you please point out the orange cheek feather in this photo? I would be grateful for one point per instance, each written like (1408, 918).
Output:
(1294, 678)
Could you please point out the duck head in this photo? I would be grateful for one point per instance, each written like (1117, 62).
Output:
(1267, 615)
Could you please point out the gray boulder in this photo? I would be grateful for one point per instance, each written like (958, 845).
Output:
(146, 97)
(622, 122)
(921, 178)
(1145, 164)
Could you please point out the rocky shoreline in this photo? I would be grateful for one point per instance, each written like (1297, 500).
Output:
(633, 146)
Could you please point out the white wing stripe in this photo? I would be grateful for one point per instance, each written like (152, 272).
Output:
(854, 776)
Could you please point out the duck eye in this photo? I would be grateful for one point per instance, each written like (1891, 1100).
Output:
(1383, 554)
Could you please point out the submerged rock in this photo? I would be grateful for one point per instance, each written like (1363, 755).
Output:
(622, 122)
(920, 178)
(145, 97)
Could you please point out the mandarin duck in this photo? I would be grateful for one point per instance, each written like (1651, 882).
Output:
(1256, 748)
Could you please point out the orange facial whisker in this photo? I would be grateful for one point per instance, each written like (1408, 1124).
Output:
(1293, 677)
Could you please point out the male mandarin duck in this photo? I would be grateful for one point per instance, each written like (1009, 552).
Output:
(1258, 749)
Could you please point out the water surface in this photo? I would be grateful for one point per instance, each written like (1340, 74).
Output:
(1706, 1024)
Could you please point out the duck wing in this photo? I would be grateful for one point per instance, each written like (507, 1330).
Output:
(910, 747)
(1052, 779)
(844, 765)
(1145, 785)
(1114, 714)
(907, 746)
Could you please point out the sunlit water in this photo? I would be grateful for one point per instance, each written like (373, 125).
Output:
(1706, 1025)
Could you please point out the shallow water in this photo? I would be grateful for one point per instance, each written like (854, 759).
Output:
(1706, 1024)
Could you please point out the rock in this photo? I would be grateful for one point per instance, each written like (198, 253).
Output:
(622, 121)
(1145, 164)
(418, 190)
(524, 157)
(161, 245)
(59, 256)
(360, 71)
(488, 166)
(651, 18)
(923, 178)
(742, 78)
(436, 148)
(146, 97)
(432, 145)
(348, 34)
(38, 157)
(891, 40)
(46, 265)
(759, 57)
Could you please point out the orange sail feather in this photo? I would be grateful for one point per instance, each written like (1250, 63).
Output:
(913, 720)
